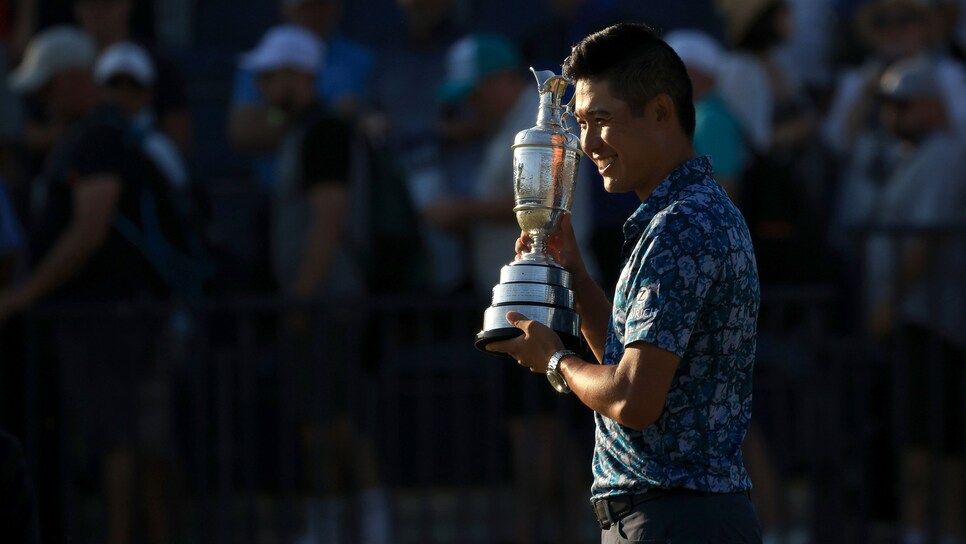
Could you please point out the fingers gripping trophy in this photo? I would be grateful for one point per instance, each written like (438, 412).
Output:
(545, 160)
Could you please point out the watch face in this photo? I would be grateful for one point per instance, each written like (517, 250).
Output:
(557, 381)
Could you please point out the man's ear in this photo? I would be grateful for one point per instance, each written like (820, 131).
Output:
(662, 108)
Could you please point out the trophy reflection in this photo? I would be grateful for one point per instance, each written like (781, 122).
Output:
(545, 160)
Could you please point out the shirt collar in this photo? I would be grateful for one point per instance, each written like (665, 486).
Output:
(681, 177)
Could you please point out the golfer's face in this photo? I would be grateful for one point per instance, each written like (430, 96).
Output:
(619, 142)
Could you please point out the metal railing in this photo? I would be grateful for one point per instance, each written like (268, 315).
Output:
(459, 438)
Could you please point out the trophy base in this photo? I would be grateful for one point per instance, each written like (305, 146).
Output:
(539, 292)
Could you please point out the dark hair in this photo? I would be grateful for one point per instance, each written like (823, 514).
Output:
(763, 34)
(637, 65)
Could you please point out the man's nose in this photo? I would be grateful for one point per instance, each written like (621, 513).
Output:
(589, 140)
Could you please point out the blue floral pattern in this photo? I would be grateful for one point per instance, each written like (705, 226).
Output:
(690, 286)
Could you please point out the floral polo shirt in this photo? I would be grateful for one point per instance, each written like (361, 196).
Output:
(690, 286)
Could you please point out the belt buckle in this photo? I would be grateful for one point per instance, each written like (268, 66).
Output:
(608, 519)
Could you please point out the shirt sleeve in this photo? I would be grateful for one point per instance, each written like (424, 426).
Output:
(676, 269)
(326, 153)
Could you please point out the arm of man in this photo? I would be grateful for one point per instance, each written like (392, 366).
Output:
(327, 205)
(460, 213)
(95, 199)
(631, 392)
(325, 170)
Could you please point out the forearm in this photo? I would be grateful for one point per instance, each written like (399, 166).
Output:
(317, 256)
(68, 255)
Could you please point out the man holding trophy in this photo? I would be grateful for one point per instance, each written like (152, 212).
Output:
(672, 356)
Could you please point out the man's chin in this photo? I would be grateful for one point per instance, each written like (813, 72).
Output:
(612, 186)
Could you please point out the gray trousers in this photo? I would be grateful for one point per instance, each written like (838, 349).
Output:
(709, 518)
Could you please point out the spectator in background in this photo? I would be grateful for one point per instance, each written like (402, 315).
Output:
(109, 22)
(893, 30)
(717, 132)
(256, 128)
(403, 120)
(253, 125)
(783, 188)
(126, 74)
(313, 261)
(99, 215)
(807, 52)
(128, 77)
(914, 287)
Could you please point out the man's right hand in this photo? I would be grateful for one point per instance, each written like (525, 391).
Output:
(561, 245)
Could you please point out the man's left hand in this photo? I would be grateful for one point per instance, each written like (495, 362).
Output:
(531, 349)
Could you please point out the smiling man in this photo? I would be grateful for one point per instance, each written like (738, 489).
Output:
(671, 383)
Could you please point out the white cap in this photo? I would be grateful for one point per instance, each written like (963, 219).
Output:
(125, 58)
(698, 50)
(285, 46)
(55, 50)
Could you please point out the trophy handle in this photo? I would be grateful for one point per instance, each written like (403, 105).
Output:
(568, 113)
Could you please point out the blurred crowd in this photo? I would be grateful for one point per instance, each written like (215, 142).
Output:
(384, 165)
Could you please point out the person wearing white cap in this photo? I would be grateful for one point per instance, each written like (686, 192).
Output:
(109, 22)
(55, 64)
(311, 260)
(343, 74)
(127, 75)
(717, 133)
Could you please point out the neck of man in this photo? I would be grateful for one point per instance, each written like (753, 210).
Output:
(676, 154)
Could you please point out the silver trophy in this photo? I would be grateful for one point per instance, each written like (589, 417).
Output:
(544, 176)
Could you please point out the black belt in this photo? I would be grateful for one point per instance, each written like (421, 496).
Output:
(610, 510)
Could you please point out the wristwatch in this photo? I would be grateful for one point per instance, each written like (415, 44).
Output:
(554, 376)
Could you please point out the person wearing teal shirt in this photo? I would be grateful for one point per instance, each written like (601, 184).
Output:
(717, 132)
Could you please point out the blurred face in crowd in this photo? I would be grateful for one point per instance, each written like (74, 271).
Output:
(619, 141)
(900, 31)
(493, 98)
(67, 95)
(105, 20)
(127, 93)
(912, 119)
(286, 88)
(319, 16)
